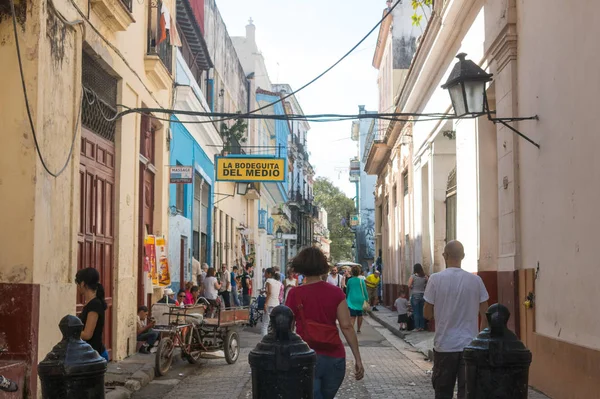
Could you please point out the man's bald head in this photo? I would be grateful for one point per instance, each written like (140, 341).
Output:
(454, 252)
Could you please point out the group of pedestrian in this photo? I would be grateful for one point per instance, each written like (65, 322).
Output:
(454, 298)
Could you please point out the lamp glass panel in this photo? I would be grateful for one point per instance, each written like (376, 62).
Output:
(242, 188)
(474, 92)
(458, 99)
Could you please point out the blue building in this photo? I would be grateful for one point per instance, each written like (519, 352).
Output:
(365, 188)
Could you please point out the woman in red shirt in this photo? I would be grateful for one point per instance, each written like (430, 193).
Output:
(317, 306)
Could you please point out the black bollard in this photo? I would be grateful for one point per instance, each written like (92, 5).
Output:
(283, 366)
(72, 370)
(497, 362)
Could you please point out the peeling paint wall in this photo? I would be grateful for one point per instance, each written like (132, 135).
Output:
(40, 247)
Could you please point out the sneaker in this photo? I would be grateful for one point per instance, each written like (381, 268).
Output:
(375, 309)
(7, 385)
(144, 350)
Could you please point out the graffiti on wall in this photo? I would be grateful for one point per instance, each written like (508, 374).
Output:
(366, 236)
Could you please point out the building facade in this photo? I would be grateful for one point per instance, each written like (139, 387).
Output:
(517, 210)
(106, 183)
(365, 188)
(388, 158)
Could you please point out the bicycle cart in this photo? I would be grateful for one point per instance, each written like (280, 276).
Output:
(195, 334)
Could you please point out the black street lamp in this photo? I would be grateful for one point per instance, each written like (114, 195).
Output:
(279, 233)
(466, 85)
(242, 188)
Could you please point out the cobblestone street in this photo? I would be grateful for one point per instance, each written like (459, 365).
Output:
(393, 369)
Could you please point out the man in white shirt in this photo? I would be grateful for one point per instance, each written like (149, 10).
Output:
(334, 278)
(454, 298)
(196, 271)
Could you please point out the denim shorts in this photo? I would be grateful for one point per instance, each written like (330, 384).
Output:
(355, 313)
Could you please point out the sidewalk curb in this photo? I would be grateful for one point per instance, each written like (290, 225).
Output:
(133, 383)
(400, 334)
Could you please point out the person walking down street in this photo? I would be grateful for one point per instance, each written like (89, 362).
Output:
(211, 289)
(246, 285)
(145, 333)
(225, 290)
(290, 282)
(454, 298)
(317, 306)
(196, 271)
(372, 281)
(235, 298)
(273, 288)
(204, 270)
(356, 295)
(417, 283)
(334, 278)
(401, 305)
(92, 315)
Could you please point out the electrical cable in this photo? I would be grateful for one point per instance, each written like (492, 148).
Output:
(27, 107)
(247, 115)
(389, 11)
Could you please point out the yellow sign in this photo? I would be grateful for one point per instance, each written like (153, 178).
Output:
(251, 169)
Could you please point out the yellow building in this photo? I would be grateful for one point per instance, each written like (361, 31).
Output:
(80, 60)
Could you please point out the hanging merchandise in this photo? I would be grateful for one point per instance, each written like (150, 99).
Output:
(150, 258)
(164, 277)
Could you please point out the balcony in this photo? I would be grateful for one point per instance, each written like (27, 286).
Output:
(296, 200)
(315, 212)
(116, 14)
(376, 150)
(158, 61)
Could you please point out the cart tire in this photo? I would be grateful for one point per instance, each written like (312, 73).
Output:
(231, 347)
(164, 356)
(195, 350)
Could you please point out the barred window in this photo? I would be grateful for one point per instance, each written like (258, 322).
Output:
(100, 98)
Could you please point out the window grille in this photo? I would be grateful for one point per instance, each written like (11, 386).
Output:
(100, 99)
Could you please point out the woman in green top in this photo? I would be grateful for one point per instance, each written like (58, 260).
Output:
(356, 295)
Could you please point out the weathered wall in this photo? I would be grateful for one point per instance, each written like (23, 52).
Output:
(40, 247)
(228, 72)
(558, 196)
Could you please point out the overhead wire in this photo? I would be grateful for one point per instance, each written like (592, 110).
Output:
(247, 114)
(28, 107)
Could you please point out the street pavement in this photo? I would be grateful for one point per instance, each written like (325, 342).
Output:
(392, 370)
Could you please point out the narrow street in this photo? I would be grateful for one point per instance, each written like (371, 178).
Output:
(392, 370)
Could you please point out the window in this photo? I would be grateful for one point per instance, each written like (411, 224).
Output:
(405, 182)
(180, 198)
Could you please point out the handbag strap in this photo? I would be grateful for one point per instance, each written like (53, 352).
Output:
(300, 308)
(362, 289)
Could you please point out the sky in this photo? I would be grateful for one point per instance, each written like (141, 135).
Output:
(299, 39)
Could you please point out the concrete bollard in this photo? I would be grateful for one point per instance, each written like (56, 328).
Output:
(72, 370)
(283, 366)
(497, 362)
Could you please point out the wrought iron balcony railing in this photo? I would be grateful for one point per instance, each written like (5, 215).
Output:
(159, 42)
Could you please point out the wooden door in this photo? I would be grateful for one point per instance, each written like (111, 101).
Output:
(146, 205)
(95, 239)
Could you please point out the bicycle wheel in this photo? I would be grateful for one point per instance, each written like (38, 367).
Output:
(195, 348)
(164, 356)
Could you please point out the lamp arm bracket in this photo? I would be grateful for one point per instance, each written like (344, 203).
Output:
(503, 122)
